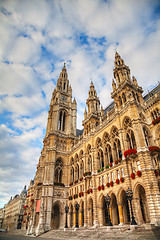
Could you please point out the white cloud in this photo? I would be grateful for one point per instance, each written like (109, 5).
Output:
(36, 38)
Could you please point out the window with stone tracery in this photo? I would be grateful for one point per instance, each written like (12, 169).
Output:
(131, 139)
(58, 170)
(62, 120)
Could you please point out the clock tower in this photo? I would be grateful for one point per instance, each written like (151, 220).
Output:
(62, 110)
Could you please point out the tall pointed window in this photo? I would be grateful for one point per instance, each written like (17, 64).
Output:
(62, 121)
(58, 170)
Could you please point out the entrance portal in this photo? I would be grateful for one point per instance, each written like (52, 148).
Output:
(55, 220)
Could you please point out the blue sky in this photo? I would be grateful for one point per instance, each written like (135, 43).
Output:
(36, 38)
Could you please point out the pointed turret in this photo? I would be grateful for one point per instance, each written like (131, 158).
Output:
(63, 82)
(121, 71)
(124, 87)
(93, 104)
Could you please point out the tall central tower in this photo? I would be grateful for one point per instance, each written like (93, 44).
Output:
(51, 178)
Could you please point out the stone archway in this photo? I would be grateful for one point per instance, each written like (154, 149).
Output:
(141, 204)
(125, 208)
(104, 212)
(114, 210)
(55, 217)
(90, 212)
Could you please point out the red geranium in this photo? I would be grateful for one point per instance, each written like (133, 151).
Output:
(110, 164)
(156, 172)
(24, 221)
(111, 183)
(90, 190)
(25, 214)
(99, 188)
(28, 195)
(129, 152)
(157, 120)
(121, 179)
(139, 174)
(117, 181)
(107, 184)
(71, 184)
(82, 194)
(102, 187)
(116, 162)
(81, 179)
(133, 175)
(154, 149)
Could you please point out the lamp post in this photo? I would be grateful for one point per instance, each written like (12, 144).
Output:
(107, 201)
(66, 211)
(130, 197)
(77, 209)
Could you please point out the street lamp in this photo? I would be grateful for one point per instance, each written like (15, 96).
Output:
(130, 197)
(66, 211)
(77, 209)
(107, 201)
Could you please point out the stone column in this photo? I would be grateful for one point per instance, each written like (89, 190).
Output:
(74, 218)
(120, 214)
(80, 218)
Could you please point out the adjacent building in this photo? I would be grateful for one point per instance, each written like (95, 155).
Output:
(14, 211)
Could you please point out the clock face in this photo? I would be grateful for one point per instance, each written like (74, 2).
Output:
(64, 98)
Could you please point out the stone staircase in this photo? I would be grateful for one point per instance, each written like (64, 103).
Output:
(103, 233)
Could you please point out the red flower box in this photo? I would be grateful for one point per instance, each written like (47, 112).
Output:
(133, 175)
(85, 174)
(102, 187)
(117, 181)
(120, 159)
(79, 194)
(154, 149)
(111, 183)
(139, 174)
(116, 162)
(107, 184)
(28, 195)
(31, 194)
(71, 184)
(32, 200)
(156, 172)
(129, 152)
(99, 188)
(81, 179)
(82, 194)
(90, 190)
(121, 179)
(24, 221)
(110, 164)
(25, 214)
(157, 120)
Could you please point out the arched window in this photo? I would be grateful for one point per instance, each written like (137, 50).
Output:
(124, 98)
(58, 170)
(90, 164)
(82, 169)
(72, 174)
(120, 101)
(131, 139)
(62, 120)
(117, 149)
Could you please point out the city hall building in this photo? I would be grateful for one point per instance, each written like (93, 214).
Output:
(117, 149)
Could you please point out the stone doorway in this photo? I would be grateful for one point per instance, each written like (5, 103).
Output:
(105, 212)
(55, 217)
(90, 212)
(114, 210)
(125, 208)
(141, 204)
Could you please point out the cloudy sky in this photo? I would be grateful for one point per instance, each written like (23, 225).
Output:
(36, 38)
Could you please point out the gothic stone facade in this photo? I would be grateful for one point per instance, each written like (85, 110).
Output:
(114, 152)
